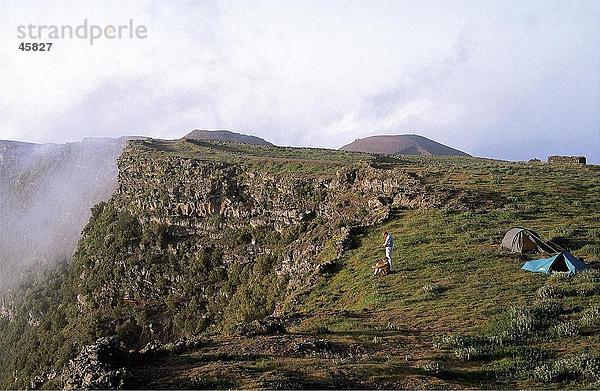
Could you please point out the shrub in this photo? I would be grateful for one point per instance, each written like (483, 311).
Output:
(592, 275)
(593, 249)
(550, 292)
(322, 329)
(466, 353)
(566, 329)
(521, 324)
(435, 368)
(590, 317)
(466, 347)
(594, 233)
(561, 276)
(549, 309)
(434, 289)
(454, 341)
(544, 373)
(585, 290)
(565, 231)
(583, 366)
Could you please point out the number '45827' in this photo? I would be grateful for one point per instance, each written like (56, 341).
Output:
(35, 47)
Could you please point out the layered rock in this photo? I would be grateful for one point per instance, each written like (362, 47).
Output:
(207, 238)
(198, 200)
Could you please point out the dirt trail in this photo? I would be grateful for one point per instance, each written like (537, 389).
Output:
(361, 359)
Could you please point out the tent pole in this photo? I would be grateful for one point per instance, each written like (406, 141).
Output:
(547, 243)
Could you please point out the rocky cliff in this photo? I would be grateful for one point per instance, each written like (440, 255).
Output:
(213, 258)
(207, 237)
(273, 225)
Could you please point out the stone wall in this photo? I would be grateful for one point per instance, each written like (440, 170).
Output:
(566, 159)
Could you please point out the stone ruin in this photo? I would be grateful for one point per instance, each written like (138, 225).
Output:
(566, 160)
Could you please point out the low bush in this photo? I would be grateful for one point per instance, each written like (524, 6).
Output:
(549, 309)
(583, 366)
(467, 347)
(435, 368)
(585, 290)
(594, 233)
(591, 275)
(433, 289)
(593, 249)
(566, 329)
(590, 317)
(521, 324)
(550, 292)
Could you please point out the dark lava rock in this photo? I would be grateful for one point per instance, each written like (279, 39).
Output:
(97, 366)
(156, 349)
(328, 267)
(268, 326)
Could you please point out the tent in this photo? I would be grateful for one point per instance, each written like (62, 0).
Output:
(520, 240)
(561, 262)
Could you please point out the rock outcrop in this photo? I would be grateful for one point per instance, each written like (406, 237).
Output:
(567, 160)
(197, 200)
(97, 366)
(225, 135)
(207, 238)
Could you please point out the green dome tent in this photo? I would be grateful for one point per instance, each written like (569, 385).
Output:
(561, 262)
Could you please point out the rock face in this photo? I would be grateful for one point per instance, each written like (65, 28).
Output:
(240, 240)
(199, 237)
(97, 366)
(567, 160)
(225, 135)
(12, 151)
(403, 144)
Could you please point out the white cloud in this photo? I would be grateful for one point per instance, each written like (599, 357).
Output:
(463, 73)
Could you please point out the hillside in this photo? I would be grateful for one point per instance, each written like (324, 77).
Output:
(224, 135)
(12, 150)
(402, 144)
(255, 262)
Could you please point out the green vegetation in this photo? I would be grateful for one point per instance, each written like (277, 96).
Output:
(451, 279)
(268, 159)
(456, 311)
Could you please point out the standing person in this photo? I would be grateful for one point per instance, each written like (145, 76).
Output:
(388, 244)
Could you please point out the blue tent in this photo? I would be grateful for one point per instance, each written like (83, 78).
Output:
(561, 262)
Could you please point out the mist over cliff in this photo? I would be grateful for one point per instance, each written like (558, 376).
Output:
(46, 192)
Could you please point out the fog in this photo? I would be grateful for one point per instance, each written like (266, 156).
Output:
(46, 192)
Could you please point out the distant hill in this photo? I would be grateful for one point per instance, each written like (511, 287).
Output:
(11, 150)
(402, 144)
(225, 135)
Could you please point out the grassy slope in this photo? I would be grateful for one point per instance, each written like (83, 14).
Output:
(458, 251)
(396, 321)
(392, 321)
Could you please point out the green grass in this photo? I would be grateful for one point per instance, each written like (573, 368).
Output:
(458, 252)
(503, 327)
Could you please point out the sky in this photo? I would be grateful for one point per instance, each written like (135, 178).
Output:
(503, 79)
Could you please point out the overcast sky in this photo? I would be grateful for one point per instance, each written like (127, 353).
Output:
(502, 79)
